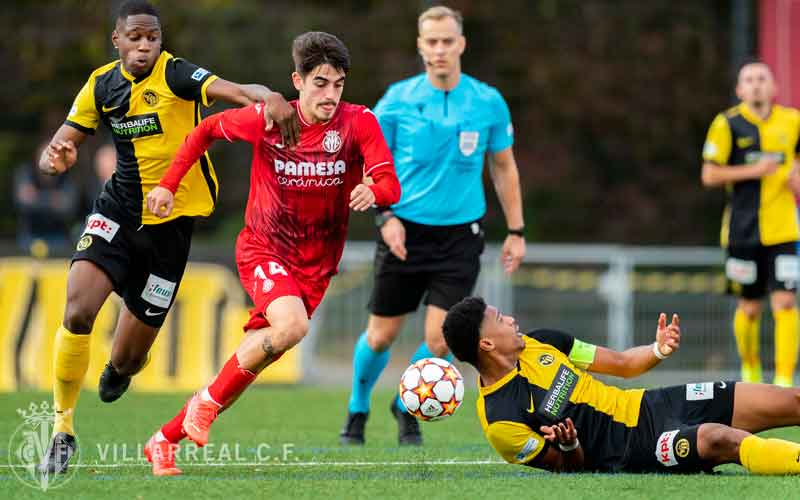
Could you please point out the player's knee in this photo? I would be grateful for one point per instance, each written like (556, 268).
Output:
(78, 319)
(783, 301)
(719, 443)
(381, 334)
(751, 308)
(437, 345)
(290, 332)
(128, 364)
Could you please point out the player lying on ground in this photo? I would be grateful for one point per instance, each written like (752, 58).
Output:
(149, 100)
(538, 406)
(295, 224)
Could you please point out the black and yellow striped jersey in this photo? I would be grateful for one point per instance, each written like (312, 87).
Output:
(759, 211)
(149, 117)
(548, 385)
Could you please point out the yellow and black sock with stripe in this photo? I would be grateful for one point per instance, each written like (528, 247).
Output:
(70, 362)
(769, 456)
(747, 330)
(786, 340)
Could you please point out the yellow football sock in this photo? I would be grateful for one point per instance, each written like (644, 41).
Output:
(769, 456)
(747, 330)
(70, 362)
(786, 327)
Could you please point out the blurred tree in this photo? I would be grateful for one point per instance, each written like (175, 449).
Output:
(611, 99)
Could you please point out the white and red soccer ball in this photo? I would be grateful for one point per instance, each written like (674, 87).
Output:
(431, 389)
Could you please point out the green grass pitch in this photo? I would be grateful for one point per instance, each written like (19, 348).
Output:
(282, 442)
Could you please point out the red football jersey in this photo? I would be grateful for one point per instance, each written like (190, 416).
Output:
(298, 203)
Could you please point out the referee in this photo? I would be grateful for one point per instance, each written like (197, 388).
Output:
(439, 126)
(750, 149)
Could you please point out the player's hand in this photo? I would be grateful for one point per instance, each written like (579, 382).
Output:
(61, 156)
(281, 112)
(361, 198)
(160, 202)
(766, 166)
(561, 433)
(513, 252)
(393, 233)
(668, 336)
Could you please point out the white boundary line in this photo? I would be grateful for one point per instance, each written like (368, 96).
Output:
(276, 464)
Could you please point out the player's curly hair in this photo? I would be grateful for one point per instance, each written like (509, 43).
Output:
(314, 48)
(461, 329)
(136, 7)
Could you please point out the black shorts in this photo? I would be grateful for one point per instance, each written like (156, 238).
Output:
(754, 270)
(145, 264)
(442, 266)
(665, 440)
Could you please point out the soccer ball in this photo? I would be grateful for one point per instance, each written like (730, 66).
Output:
(431, 389)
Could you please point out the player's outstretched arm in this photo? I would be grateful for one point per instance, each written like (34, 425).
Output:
(62, 152)
(637, 360)
(278, 112)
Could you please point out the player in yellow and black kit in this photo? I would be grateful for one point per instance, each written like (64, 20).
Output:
(751, 150)
(538, 406)
(150, 101)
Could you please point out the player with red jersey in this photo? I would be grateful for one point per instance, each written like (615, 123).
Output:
(295, 223)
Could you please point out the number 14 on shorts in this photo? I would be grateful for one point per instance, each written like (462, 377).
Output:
(274, 269)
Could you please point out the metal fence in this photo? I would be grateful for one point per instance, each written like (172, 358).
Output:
(604, 294)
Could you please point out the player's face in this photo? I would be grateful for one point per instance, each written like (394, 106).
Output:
(755, 85)
(502, 330)
(320, 92)
(441, 44)
(138, 39)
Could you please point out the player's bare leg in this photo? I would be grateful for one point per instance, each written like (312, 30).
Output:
(719, 444)
(370, 357)
(88, 287)
(288, 321)
(758, 407)
(129, 354)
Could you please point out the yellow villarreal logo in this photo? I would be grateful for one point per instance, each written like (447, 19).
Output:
(150, 97)
(84, 243)
(682, 448)
(546, 359)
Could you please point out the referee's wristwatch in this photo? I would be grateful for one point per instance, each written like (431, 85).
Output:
(382, 217)
(520, 231)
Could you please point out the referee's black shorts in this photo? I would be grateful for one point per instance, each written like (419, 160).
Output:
(665, 439)
(441, 267)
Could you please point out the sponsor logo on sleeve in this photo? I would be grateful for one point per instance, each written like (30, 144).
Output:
(199, 73)
(557, 398)
(158, 291)
(664, 451)
(709, 150)
(700, 391)
(101, 226)
(530, 446)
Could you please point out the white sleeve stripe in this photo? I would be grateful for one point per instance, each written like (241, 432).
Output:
(223, 132)
(370, 169)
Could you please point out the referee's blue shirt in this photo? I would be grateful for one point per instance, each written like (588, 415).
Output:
(439, 139)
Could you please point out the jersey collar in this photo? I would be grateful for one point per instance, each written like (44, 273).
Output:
(138, 79)
(752, 116)
(488, 389)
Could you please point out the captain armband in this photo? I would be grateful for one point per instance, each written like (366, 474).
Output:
(582, 354)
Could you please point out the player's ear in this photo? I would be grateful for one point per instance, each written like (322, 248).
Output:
(297, 80)
(462, 44)
(115, 39)
(486, 344)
